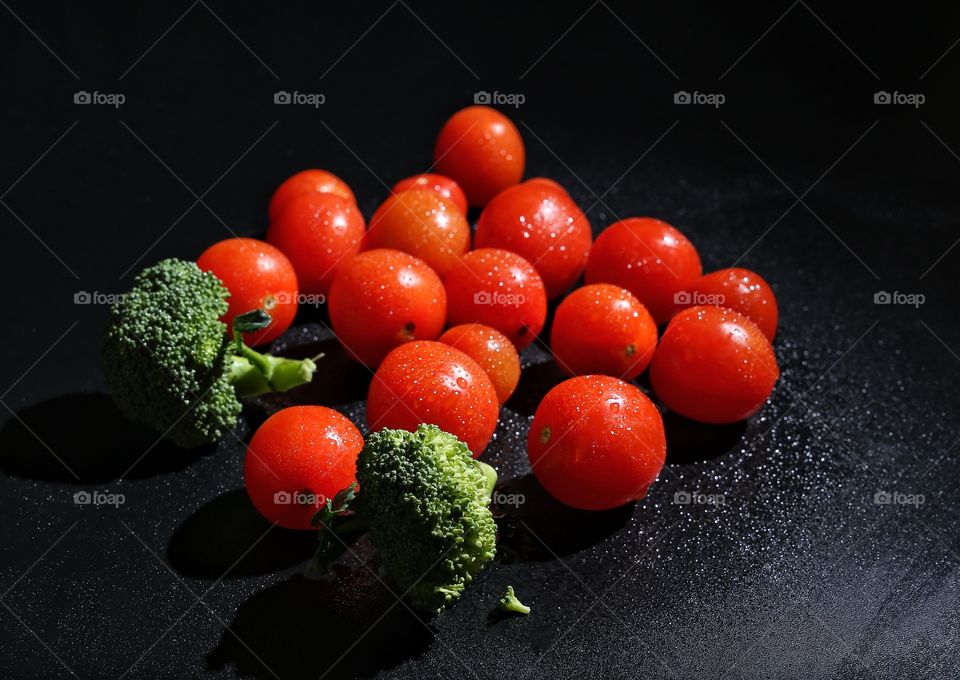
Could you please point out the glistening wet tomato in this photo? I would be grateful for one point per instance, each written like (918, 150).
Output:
(492, 350)
(604, 329)
(320, 233)
(481, 149)
(539, 220)
(421, 222)
(258, 276)
(743, 291)
(499, 289)
(385, 298)
(713, 365)
(649, 258)
(430, 382)
(596, 442)
(446, 187)
(297, 459)
(307, 182)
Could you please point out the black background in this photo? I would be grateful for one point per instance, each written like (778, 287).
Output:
(799, 175)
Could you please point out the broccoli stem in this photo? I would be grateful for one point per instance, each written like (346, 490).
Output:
(510, 603)
(253, 373)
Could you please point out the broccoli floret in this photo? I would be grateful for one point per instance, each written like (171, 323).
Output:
(510, 603)
(169, 362)
(425, 500)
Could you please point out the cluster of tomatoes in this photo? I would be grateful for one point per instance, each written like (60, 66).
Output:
(392, 288)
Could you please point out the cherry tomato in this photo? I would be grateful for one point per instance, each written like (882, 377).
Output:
(492, 350)
(482, 150)
(446, 187)
(541, 222)
(307, 182)
(258, 276)
(385, 298)
(603, 329)
(713, 365)
(499, 289)
(297, 459)
(429, 382)
(596, 442)
(743, 291)
(649, 258)
(320, 233)
(421, 222)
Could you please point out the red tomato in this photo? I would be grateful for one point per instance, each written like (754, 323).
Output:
(542, 223)
(429, 382)
(482, 150)
(421, 222)
(649, 258)
(499, 289)
(385, 298)
(596, 442)
(743, 291)
(492, 350)
(446, 187)
(297, 459)
(258, 276)
(713, 365)
(603, 329)
(307, 182)
(320, 233)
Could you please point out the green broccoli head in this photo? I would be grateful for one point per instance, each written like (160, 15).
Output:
(170, 364)
(426, 501)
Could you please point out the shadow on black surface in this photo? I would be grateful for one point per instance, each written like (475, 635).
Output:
(307, 629)
(537, 527)
(689, 441)
(535, 382)
(90, 437)
(215, 541)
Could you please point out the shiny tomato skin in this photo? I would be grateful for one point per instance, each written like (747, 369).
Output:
(651, 259)
(306, 182)
(499, 289)
(596, 442)
(713, 365)
(743, 291)
(446, 187)
(603, 329)
(542, 223)
(421, 222)
(430, 382)
(492, 350)
(481, 149)
(385, 298)
(258, 276)
(320, 233)
(298, 458)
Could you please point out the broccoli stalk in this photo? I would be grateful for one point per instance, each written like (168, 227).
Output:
(509, 603)
(170, 364)
(425, 500)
